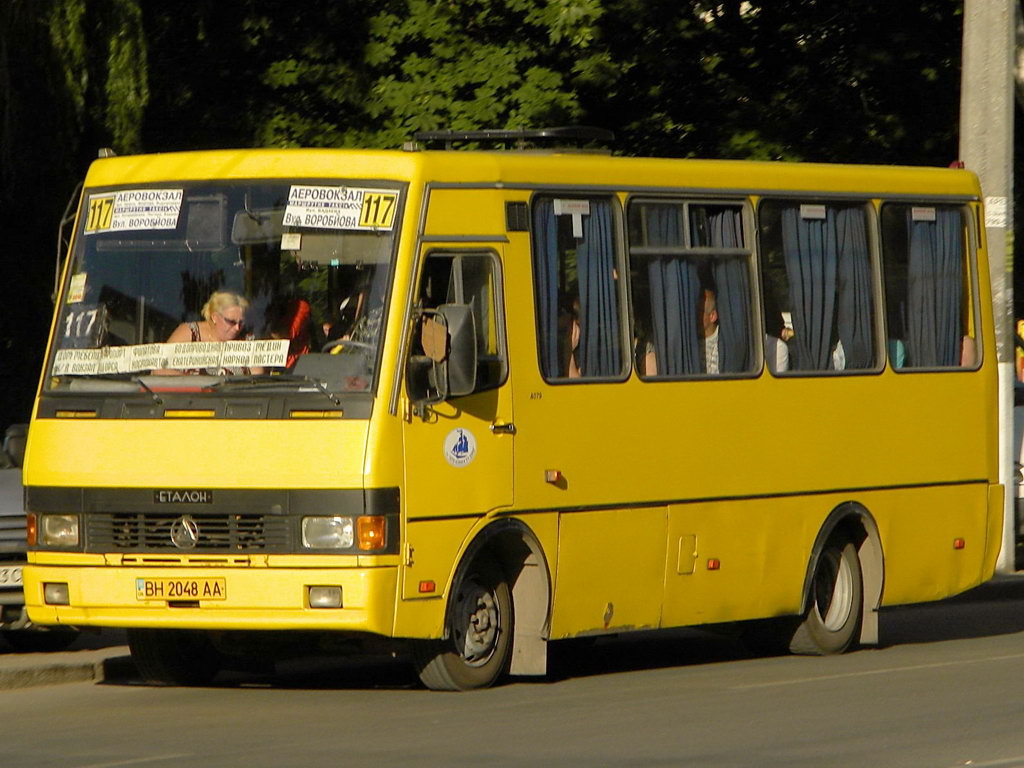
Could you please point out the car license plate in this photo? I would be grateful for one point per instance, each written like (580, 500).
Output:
(180, 589)
(10, 576)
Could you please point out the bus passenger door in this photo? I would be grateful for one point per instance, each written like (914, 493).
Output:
(458, 453)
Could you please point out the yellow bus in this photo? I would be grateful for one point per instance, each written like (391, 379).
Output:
(472, 402)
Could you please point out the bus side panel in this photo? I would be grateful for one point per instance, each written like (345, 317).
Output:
(610, 574)
(919, 528)
(736, 560)
(433, 547)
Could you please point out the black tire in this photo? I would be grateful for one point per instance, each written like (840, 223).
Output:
(40, 640)
(174, 656)
(478, 648)
(832, 622)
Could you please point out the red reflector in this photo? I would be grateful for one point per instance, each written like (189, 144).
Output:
(959, 543)
(427, 587)
(714, 564)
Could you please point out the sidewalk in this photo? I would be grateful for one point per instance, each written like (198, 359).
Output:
(95, 655)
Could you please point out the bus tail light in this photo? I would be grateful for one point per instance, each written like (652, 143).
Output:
(370, 532)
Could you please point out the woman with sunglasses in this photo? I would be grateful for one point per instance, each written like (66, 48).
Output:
(223, 320)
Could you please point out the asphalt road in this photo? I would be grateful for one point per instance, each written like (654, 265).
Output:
(944, 690)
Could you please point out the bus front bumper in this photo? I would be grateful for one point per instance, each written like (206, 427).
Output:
(212, 598)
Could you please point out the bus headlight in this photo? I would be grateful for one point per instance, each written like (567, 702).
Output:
(327, 532)
(58, 530)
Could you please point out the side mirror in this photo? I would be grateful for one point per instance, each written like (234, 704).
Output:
(448, 366)
(460, 373)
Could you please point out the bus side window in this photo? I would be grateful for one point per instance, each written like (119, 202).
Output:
(691, 284)
(576, 267)
(930, 319)
(819, 285)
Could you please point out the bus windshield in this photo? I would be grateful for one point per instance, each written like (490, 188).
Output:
(239, 281)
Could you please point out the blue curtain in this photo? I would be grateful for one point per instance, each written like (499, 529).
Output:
(732, 282)
(934, 286)
(809, 250)
(600, 350)
(853, 317)
(675, 296)
(545, 270)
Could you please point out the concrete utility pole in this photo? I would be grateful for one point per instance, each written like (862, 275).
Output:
(986, 147)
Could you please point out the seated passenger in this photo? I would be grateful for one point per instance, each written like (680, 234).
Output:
(291, 320)
(569, 342)
(776, 350)
(776, 354)
(709, 329)
(968, 352)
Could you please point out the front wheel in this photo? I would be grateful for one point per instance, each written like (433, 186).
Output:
(833, 619)
(479, 626)
(174, 656)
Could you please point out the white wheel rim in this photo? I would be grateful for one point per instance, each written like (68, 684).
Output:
(477, 624)
(834, 590)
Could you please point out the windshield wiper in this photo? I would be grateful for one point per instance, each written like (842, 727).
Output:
(269, 381)
(120, 377)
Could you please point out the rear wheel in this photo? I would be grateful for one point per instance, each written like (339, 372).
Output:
(174, 656)
(833, 619)
(476, 652)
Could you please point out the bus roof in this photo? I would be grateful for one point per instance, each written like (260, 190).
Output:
(533, 169)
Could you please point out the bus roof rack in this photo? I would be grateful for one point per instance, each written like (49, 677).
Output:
(521, 137)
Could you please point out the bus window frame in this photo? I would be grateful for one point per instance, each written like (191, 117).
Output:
(622, 289)
(969, 221)
(874, 240)
(747, 214)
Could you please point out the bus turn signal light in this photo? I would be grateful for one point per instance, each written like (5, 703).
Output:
(959, 543)
(370, 532)
(714, 564)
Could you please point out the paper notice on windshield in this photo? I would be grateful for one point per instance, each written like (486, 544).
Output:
(210, 356)
(133, 209)
(76, 362)
(322, 207)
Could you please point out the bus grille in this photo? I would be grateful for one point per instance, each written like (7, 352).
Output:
(140, 531)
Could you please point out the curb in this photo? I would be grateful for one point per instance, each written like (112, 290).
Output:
(56, 672)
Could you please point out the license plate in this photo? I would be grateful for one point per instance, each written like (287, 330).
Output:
(180, 589)
(10, 576)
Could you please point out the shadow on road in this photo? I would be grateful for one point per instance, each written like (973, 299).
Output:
(996, 608)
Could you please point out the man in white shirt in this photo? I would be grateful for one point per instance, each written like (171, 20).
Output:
(709, 325)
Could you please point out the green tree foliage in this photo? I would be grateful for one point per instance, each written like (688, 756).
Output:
(786, 79)
(72, 78)
(791, 79)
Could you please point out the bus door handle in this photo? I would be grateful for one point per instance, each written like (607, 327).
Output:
(503, 428)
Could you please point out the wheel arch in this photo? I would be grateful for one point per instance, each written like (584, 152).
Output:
(517, 551)
(853, 521)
